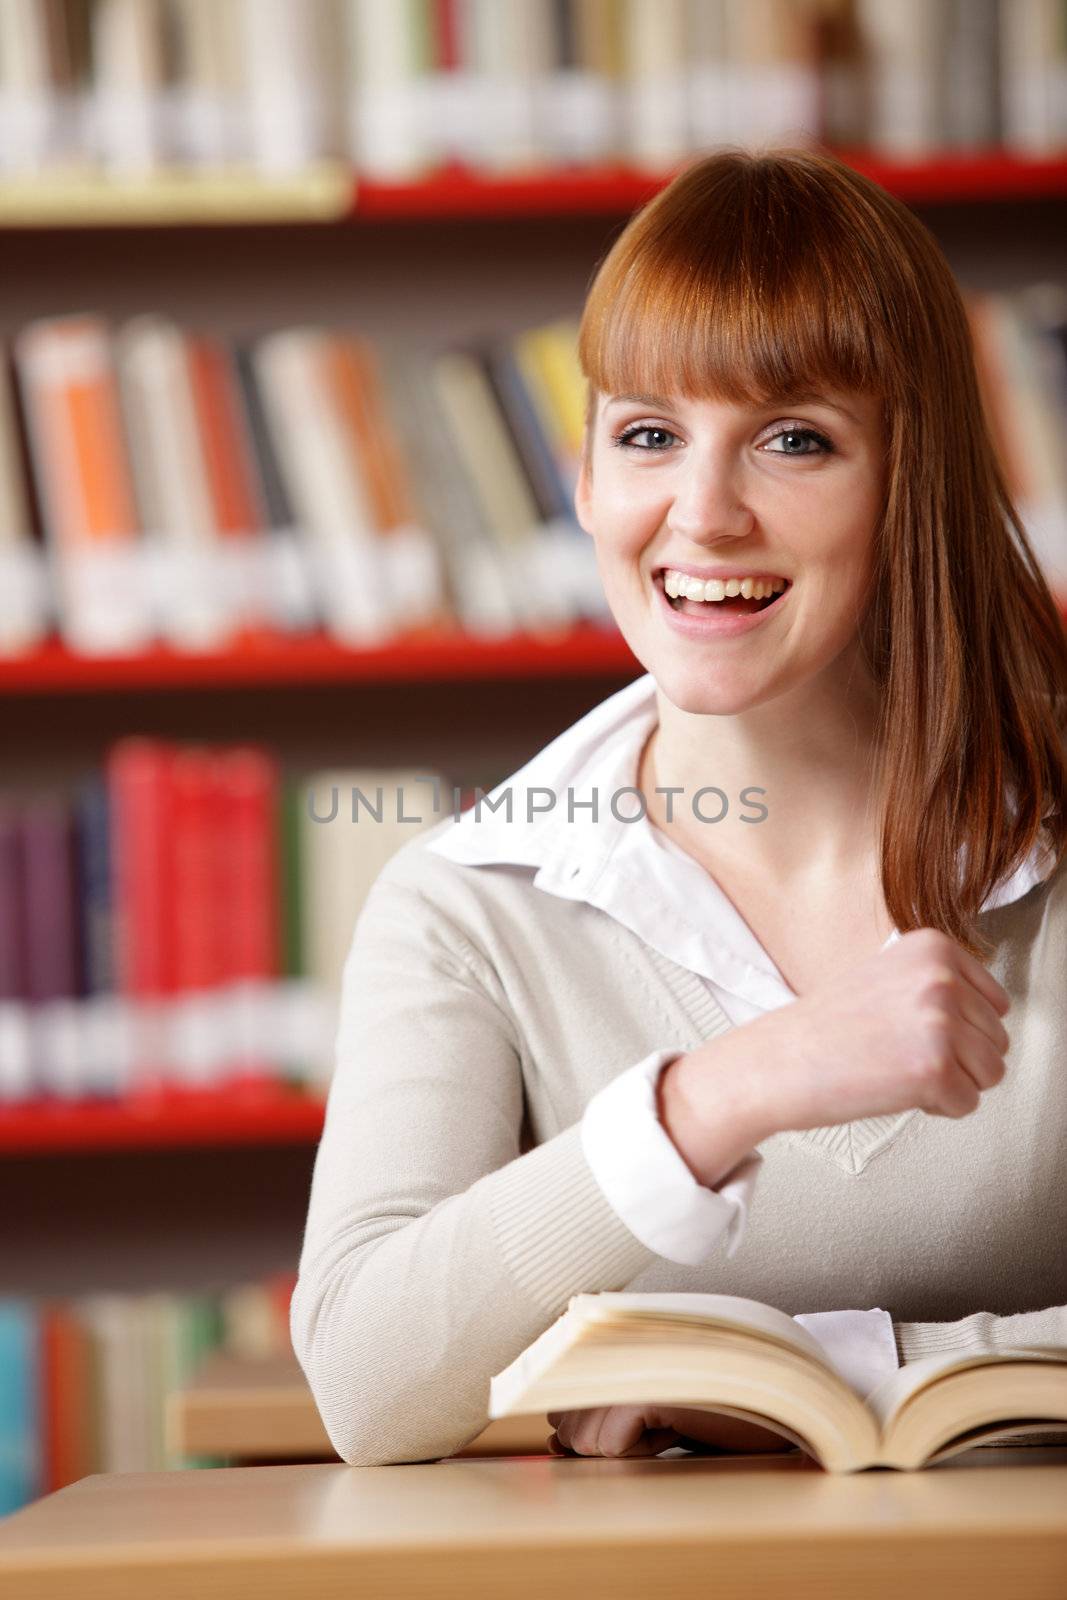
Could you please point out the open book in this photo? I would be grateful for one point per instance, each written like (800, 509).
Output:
(717, 1352)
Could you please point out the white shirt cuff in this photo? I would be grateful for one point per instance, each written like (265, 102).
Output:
(646, 1182)
(860, 1344)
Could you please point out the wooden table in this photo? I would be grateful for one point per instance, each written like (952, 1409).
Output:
(991, 1524)
(262, 1410)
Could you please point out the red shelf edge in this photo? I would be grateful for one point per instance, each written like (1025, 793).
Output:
(172, 1119)
(460, 192)
(52, 668)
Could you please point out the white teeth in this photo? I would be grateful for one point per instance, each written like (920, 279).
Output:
(677, 584)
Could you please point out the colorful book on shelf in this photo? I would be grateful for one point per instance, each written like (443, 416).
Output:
(124, 113)
(409, 556)
(723, 1353)
(196, 909)
(291, 600)
(69, 1444)
(390, 61)
(139, 799)
(105, 1035)
(477, 588)
(191, 604)
(481, 439)
(84, 482)
(24, 601)
(51, 933)
(20, 1419)
(248, 909)
(16, 1056)
(238, 515)
(325, 485)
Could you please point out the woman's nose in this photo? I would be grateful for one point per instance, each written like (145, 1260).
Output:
(708, 505)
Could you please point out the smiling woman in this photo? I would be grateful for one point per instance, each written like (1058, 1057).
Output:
(579, 1045)
(778, 351)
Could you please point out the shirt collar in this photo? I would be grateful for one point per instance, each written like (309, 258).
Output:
(568, 843)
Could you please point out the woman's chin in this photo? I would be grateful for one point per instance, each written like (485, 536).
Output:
(701, 694)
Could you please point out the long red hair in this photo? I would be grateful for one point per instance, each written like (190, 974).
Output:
(752, 278)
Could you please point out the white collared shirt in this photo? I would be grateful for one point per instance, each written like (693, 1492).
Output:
(541, 817)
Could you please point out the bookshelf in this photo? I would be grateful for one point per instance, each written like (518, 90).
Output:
(187, 1187)
(508, 251)
(332, 193)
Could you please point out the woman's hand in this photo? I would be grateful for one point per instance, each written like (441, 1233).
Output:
(915, 1026)
(646, 1430)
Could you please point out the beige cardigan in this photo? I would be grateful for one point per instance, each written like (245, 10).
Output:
(453, 1214)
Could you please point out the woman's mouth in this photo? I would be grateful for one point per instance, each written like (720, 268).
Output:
(726, 608)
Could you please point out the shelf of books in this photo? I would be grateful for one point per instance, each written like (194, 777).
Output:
(181, 509)
(298, 482)
(83, 1379)
(173, 929)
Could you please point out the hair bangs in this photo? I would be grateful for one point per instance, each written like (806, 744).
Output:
(761, 301)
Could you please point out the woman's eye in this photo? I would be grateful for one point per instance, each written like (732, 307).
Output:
(660, 436)
(795, 441)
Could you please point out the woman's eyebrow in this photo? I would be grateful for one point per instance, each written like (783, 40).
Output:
(812, 397)
(657, 401)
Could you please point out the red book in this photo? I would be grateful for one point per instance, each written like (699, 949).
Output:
(250, 901)
(444, 30)
(139, 794)
(196, 906)
(67, 1398)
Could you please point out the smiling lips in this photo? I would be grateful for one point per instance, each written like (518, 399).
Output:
(733, 593)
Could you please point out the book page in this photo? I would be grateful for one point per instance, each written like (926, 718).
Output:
(731, 1311)
(890, 1397)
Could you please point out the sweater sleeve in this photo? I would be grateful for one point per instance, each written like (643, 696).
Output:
(646, 1181)
(982, 1332)
(434, 1250)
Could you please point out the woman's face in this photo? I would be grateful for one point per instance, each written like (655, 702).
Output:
(720, 490)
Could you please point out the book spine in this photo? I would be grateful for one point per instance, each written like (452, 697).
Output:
(84, 481)
(106, 1034)
(344, 550)
(1027, 40)
(197, 845)
(408, 554)
(51, 948)
(189, 605)
(655, 53)
(139, 794)
(23, 580)
(20, 1454)
(249, 890)
(16, 1071)
(281, 45)
(126, 132)
(290, 598)
(237, 511)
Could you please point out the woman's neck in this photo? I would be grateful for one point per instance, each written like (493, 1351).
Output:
(811, 754)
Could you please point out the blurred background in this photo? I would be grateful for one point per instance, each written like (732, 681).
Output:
(289, 422)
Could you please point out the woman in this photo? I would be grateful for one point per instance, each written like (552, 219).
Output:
(717, 992)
